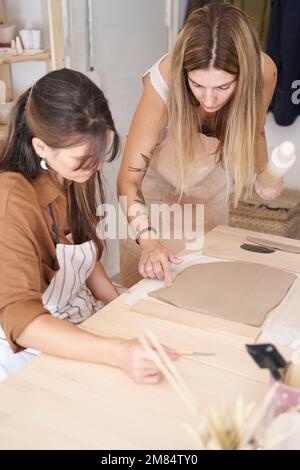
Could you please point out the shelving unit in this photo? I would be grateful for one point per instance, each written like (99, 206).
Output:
(8, 60)
(56, 55)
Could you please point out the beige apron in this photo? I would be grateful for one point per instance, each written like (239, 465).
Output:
(206, 183)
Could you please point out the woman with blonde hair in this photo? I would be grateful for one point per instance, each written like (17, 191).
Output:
(212, 94)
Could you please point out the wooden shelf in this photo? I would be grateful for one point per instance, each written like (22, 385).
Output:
(56, 55)
(7, 60)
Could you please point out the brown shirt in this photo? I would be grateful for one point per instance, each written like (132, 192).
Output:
(27, 247)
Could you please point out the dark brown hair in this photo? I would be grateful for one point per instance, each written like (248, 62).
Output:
(64, 108)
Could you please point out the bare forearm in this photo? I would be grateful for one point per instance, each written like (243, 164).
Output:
(262, 184)
(134, 206)
(63, 339)
(100, 284)
(130, 181)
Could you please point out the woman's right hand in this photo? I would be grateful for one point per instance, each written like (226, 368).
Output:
(135, 361)
(155, 259)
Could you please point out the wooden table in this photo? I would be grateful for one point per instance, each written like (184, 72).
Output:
(55, 403)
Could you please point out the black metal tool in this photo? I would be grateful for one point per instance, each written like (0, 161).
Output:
(257, 248)
(267, 356)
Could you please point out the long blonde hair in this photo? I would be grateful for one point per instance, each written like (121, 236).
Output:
(219, 36)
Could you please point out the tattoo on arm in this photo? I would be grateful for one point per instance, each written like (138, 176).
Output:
(141, 170)
(146, 161)
(153, 150)
(140, 198)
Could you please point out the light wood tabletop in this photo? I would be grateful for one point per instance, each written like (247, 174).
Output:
(54, 403)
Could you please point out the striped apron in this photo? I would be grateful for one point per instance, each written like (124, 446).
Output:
(67, 297)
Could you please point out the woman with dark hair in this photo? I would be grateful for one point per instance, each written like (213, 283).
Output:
(50, 162)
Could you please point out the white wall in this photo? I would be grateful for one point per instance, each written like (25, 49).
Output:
(182, 9)
(77, 34)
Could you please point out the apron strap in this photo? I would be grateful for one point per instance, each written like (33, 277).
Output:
(55, 229)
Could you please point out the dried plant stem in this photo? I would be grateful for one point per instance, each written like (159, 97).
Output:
(182, 391)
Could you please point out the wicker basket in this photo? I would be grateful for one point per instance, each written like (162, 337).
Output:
(279, 217)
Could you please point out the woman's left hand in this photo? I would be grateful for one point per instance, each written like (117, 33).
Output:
(269, 196)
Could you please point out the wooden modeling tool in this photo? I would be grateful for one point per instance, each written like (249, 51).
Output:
(193, 353)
